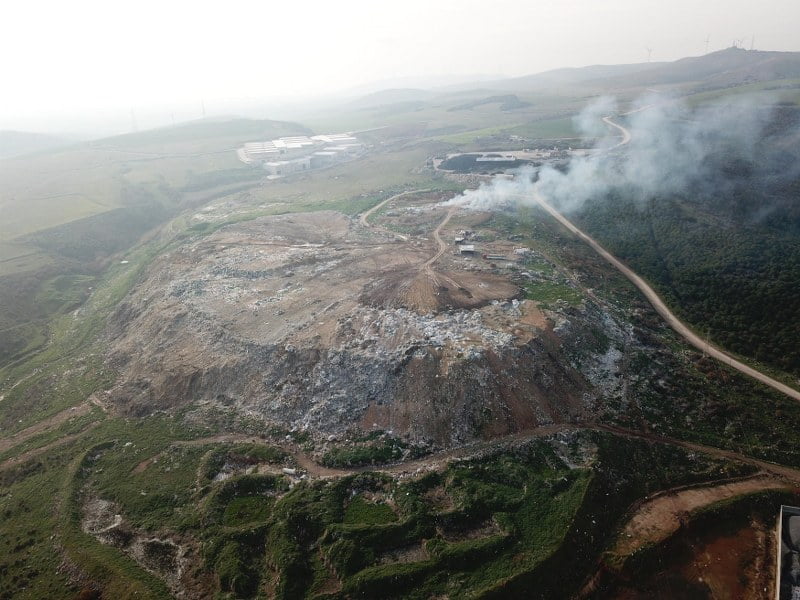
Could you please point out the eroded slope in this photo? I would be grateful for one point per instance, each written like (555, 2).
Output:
(290, 318)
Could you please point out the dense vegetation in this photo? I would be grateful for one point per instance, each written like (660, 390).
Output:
(673, 390)
(526, 517)
(725, 256)
(738, 284)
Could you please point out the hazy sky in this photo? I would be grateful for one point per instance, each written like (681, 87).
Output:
(65, 57)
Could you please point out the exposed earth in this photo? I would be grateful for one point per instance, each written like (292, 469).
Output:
(317, 321)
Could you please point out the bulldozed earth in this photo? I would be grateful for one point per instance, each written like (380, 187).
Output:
(332, 324)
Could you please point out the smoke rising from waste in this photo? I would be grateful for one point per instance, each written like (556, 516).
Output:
(671, 147)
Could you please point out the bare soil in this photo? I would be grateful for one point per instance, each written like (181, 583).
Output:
(721, 562)
(661, 516)
(316, 321)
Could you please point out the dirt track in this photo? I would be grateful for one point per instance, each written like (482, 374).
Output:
(626, 135)
(666, 314)
(45, 425)
(427, 267)
(654, 299)
(315, 469)
(33, 453)
(439, 459)
(663, 514)
(366, 214)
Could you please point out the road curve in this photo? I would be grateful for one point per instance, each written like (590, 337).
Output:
(626, 135)
(441, 458)
(657, 302)
(366, 214)
(441, 244)
(661, 308)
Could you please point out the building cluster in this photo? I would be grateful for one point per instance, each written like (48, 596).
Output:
(464, 237)
(288, 155)
(493, 158)
(461, 239)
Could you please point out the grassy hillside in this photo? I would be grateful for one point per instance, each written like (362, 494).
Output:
(66, 213)
(732, 66)
(15, 143)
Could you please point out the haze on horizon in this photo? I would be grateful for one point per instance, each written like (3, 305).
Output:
(90, 59)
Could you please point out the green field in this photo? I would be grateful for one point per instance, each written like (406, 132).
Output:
(548, 129)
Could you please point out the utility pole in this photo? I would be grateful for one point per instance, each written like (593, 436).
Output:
(708, 39)
(133, 120)
(649, 53)
(752, 42)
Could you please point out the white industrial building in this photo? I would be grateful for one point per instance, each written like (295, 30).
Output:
(287, 155)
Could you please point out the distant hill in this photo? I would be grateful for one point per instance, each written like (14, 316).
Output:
(208, 129)
(506, 102)
(16, 143)
(733, 66)
(573, 76)
(724, 68)
(392, 96)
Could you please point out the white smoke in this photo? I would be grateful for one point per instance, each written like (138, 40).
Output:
(590, 120)
(498, 194)
(669, 147)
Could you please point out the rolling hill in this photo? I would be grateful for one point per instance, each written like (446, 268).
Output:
(17, 143)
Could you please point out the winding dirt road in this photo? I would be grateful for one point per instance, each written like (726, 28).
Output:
(626, 135)
(427, 266)
(366, 214)
(439, 460)
(661, 308)
(662, 514)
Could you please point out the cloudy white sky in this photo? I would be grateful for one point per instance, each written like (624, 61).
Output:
(81, 55)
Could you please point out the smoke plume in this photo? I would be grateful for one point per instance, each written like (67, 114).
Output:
(673, 147)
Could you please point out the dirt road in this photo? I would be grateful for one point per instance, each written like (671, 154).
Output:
(626, 135)
(62, 441)
(440, 459)
(661, 308)
(661, 515)
(442, 245)
(654, 299)
(425, 268)
(366, 214)
(44, 425)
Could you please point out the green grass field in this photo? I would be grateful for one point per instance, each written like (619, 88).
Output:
(547, 129)
(785, 90)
